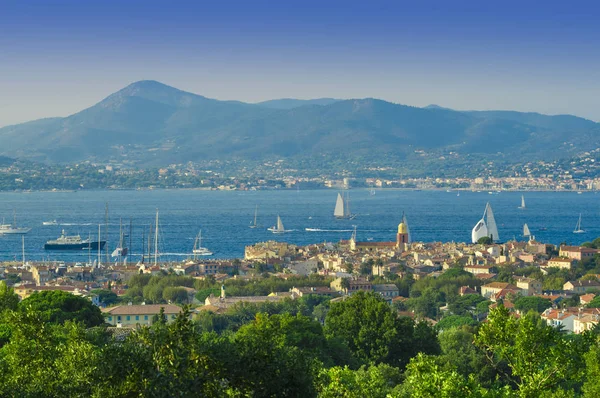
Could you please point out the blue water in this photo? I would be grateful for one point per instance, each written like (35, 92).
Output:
(224, 217)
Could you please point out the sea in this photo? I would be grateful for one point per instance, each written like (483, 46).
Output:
(224, 218)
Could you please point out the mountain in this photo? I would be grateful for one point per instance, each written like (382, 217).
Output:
(290, 103)
(148, 122)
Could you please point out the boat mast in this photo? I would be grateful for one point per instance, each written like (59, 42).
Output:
(150, 243)
(23, 248)
(99, 245)
(255, 211)
(129, 248)
(156, 240)
(106, 231)
(89, 248)
(143, 244)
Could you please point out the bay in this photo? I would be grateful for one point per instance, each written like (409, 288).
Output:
(224, 217)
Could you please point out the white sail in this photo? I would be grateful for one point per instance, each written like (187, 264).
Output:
(339, 207)
(491, 224)
(578, 229)
(526, 231)
(279, 224)
(522, 202)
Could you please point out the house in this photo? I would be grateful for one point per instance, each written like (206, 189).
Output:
(138, 315)
(387, 290)
(478, 269)
(561, 262)
(40, 274)
(577, 253)
(586, 298)
(318, 290)
(491, 289)
(354, 285)
(585, 322)
(305, 267)
(26, 290)
(560, 318)
(530, 286)
(581, 286)
(466, 290)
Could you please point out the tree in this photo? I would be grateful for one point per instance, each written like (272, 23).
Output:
(540, 359)
(8, 299)
(56, 306)
(345, 284)
(591, 387)
(106, 297)
(373, 382)
(454, 321)
(528, 303)
(485, 240)
(372, 330)
(426, 378)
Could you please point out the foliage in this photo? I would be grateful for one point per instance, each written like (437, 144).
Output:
(372, 330)
(454, 321)
(56, 306)
(539, 358)
(8, 299)
(529, 303)
(485, 240)
(376, 381)
(106, 297)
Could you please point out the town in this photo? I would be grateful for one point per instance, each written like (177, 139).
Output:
(442, 283)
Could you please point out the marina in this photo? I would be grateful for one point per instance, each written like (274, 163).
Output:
(224, 217)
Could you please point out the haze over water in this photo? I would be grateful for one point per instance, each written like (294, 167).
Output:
(224, 217)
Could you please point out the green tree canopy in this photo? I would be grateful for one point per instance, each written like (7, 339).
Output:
(57, 306)
(528, 303)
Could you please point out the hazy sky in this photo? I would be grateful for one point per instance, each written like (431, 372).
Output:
(58, 57)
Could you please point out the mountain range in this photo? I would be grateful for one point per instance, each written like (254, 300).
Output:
(148, 122)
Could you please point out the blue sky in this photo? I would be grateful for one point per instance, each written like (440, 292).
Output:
(58, 57)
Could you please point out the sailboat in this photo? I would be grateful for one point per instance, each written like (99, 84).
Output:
(8, 229)
(253, 224)
(486, 226)
(277, 229)
(578, 229)
(526, 231)
(522, 202)
(342, 208)
(198, 249)
(121, 250)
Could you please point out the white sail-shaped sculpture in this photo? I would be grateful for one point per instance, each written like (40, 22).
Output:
(486, 226)
(491, 224)
(407, 228)
(479, 231)
(526, 231)
(339, 207)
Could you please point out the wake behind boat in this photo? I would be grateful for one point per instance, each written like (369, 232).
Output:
(73, 242)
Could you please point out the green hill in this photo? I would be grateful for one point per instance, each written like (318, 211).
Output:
(150, 123)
